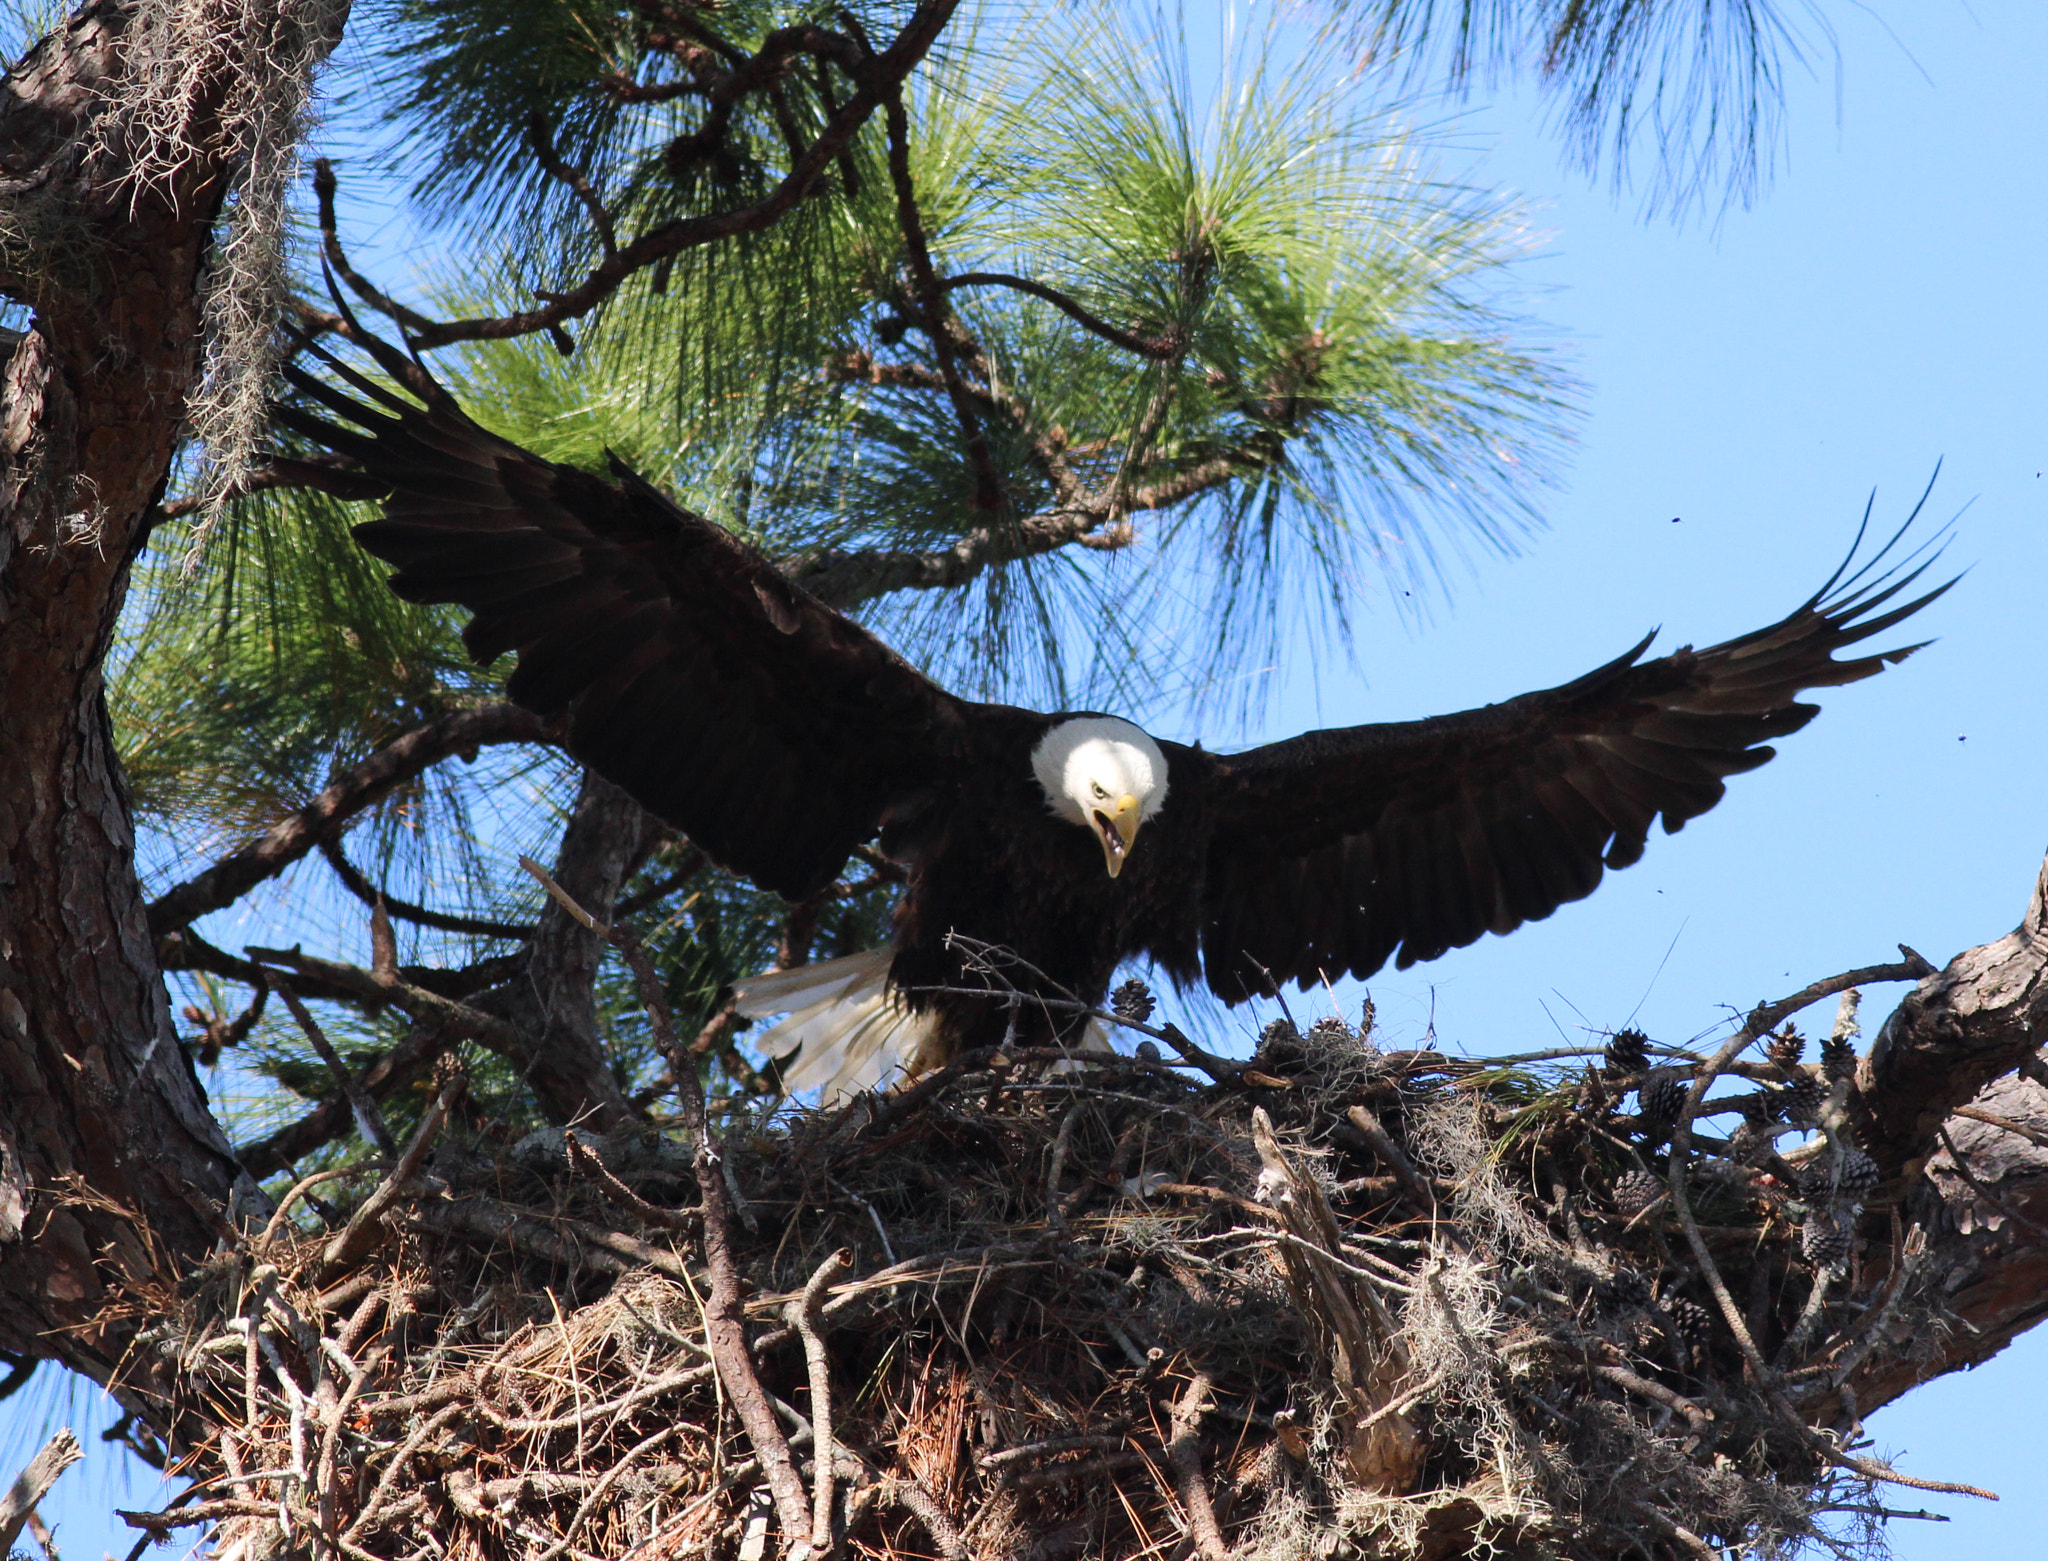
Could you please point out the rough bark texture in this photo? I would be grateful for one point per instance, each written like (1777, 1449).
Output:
(109, 1159)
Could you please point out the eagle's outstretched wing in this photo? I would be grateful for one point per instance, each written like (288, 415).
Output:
(1336, 849)
(770, 729)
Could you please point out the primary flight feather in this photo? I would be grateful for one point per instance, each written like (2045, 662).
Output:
(779, 735)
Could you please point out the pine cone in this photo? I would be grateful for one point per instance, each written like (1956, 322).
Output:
(1786, 1048)
(1132, 1000)
(1625, 1288)
(1280, 1032)
(1837, 1059)
(1859, 1174)
(1628, 1052)
(1803, 1099)
(1692, 1322)
(1825, 1241)
(1636, 1191)
(1663, 1093)
(1331, 1031)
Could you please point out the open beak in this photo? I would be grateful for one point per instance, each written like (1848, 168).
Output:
(1117, 828)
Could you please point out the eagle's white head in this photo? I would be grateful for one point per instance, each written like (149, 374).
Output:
(1106, 776)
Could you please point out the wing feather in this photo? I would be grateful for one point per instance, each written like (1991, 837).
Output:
(1337, 850)
(770, 729)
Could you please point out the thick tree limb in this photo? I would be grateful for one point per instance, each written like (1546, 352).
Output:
(1980, 1017)
(329, 813)
(554, 1001)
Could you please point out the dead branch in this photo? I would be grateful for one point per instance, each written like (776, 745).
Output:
(1184, 1452)
(805, 1316)
(361, 1231)
(724, 1326)
(33, 1484)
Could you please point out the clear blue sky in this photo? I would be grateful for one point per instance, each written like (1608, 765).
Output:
(1879, 309)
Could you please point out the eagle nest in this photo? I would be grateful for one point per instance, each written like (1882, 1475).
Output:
(1333, 1301)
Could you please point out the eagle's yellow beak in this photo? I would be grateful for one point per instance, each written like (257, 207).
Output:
(1117, 828)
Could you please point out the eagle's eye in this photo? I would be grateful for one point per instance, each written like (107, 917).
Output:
(1096, 787)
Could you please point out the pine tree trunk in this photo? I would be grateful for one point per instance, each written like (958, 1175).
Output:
(111, 1165)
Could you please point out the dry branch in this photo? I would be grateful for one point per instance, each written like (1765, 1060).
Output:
(33, 1484)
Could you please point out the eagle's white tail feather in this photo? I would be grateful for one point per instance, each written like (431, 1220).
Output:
(844, 1030)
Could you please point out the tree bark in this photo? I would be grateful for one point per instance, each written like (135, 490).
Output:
(553, 1001)
(112, 1169)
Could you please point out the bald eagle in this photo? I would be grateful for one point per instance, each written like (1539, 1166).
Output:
(779, 736)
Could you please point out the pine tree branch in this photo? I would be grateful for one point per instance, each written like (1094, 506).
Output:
(877, 78)
(1160, 348)
(328, 814)
(932, 316)
(353, 880)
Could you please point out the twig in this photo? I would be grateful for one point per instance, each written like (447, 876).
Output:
(577, 181)
(369, 1120)
(724, 1328)
(1657, 1393)
(1184, 1453)
(1056, 1164)
(1391, 1156)
(879, 77)
(360, 1234)
(1051, 1447)
(379, 987)
(2032, 1135)
(581, 1159)
(410, 320)
(299, 1189)
(933, 316)
(1762, 1019)
(881, 1230)
(1160, 348)
(803, 1314)
(1872, 1469)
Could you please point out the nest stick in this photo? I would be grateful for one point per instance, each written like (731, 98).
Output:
(1391, 1156)
(725, 1331)
(360, 1234)
(1184, 1453)
(1656, 1393)
(804, 1314)
(588, 1164)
